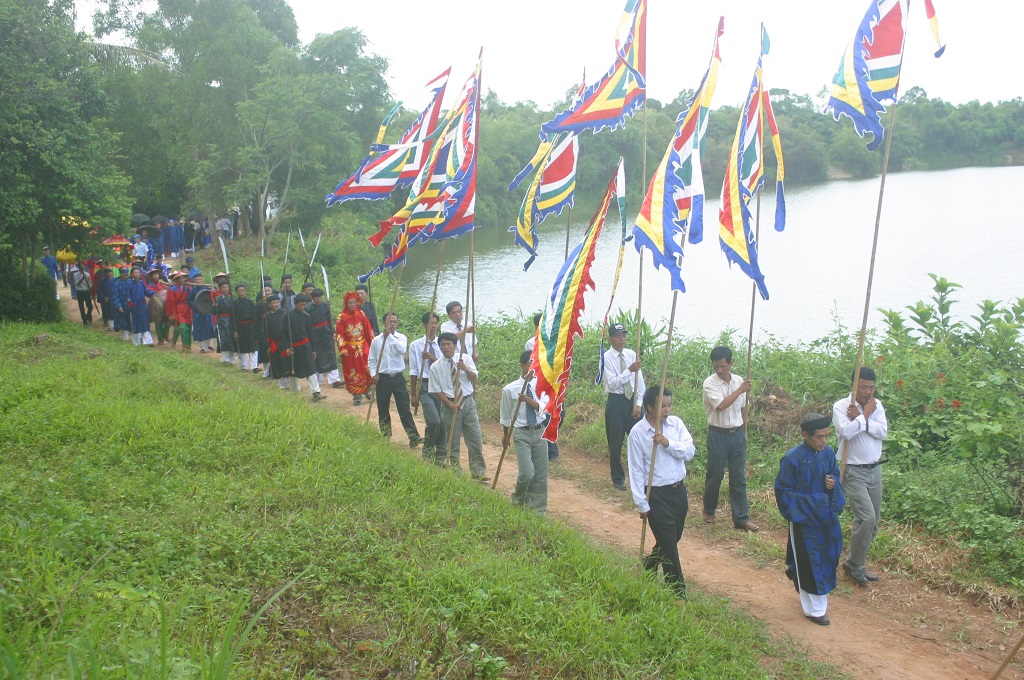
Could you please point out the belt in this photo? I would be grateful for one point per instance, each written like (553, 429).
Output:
(678, 484)
(390, 375)
(724, 430)
(322, 323)
(867, 466)
(300, 343)
(246, 321)
(531, 428)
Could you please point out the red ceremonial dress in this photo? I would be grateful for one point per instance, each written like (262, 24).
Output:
(354, 336)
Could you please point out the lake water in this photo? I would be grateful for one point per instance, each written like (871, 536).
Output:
(962, 224)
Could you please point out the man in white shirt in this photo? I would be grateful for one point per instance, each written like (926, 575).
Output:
(387, 369)
(455, 325)
(668, 504)
(861, 427)
(531, 450)
(453, 382)
(624, 385)
(423, 352)
(141, 248)
(725, 401)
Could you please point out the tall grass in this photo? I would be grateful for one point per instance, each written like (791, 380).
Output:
(162, 518)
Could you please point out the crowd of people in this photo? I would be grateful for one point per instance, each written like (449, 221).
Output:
(291, 335)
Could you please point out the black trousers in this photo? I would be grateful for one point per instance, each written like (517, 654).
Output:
(618, 421)
(388, 385)
(667, 517)
(85, 306)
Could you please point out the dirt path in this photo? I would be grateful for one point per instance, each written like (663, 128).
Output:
(897, 629)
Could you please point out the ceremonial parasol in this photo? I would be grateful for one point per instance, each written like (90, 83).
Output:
(117, 240)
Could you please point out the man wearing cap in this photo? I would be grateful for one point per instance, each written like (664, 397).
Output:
(323, 339)
(243, 329)
(525, 432)
(861, 427)
(262, 307)
(179, 312)
(387, 369)
(668, 504)
(203, 331)
(287, 294)
(366, 305)
(137, 295)
(300, 361)
(83, 289)
(810, 497)
(267, 283)
(624, 385)
(453, 381)
(119, 300)
(725, 402)
(222, 303)
(423, 352)
(275, 320)
(157, 288)
(52, 268)
(190, 268)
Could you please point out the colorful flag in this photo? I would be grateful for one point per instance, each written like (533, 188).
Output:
(560, 322)
(622, 90)
(743, 177)
(387, 169)
(869, 73)
(395, 258)
(675, 196)
(620, 200)
(929, 10)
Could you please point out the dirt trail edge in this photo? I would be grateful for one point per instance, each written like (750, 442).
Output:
(896, 629)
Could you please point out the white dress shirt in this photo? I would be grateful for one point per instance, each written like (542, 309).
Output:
(863, 435)
(393, 360)
(140, 249)
(510, 397)
(715, 392)
(450, 326)
(441, 376)
(616, 377)
(669, 466)
(418, 366)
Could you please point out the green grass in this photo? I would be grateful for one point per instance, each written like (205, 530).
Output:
(152, 505)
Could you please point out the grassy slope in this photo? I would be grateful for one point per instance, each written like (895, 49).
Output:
(141, 490)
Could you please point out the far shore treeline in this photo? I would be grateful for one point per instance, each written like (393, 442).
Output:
(214, 105)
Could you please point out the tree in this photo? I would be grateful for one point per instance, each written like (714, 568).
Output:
(57, 154)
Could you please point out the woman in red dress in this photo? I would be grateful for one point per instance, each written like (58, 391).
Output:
(354, 336)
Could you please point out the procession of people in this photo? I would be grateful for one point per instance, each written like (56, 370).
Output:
(293, 337)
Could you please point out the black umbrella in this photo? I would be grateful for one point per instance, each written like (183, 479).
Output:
(160, 218)
(149, 230)
(197, 216)
(139, 218)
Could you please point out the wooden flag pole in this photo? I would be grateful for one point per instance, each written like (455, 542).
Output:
(384, 342)
(658, 425)
(455, 377)
(640, 273)
(437, 276)
(507, 439)
(843, 447)
(753, 290)
(1008, 659)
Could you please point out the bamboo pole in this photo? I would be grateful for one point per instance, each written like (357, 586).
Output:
(640, 274)
(433, 298)
(512, 428)
(658, 423)
(1008, 659)
(844, 449)
(384, 342)
(753, 290)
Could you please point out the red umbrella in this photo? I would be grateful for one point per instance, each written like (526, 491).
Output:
(117, 241)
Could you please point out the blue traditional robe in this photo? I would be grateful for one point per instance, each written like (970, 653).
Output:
(815, 538)
(202, 324)
(119, 288)
(138, 306)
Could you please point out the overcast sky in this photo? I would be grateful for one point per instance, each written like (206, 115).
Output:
(537, 49)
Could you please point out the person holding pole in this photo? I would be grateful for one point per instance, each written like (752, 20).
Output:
(453, 382)
(455, 325)
(387, 369)
(810, 497)
(725, 401)
(861, 427)
(531, 450)
(666, 507)
(423, 352)
(622, 375)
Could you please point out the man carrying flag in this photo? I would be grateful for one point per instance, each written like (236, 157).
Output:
(623, 382)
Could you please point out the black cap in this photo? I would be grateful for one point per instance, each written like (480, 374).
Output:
(616, 329)
(274, 298)
(301, 298)
(317, 292)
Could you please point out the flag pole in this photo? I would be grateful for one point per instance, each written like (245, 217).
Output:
(384, 342)
(640, 272)
(843, 447)
(753, 290)
(433, 298)
(658, 424)
(507, 439)
(1008, 659)
(568, 224)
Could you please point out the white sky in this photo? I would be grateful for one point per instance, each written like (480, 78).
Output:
(537, 49)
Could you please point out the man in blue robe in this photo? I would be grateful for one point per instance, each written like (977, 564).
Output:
(202, 322)
(137, 300)
(119, 299)
(810, 497)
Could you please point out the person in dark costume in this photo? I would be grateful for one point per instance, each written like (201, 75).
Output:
(202, 324)
(810, 497)
(119, 300)
(262, 307)
(222, 305)
(243, 329)
(323, 340)
(300, 357)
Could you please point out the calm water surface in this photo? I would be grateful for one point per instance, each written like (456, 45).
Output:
(962, 224)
